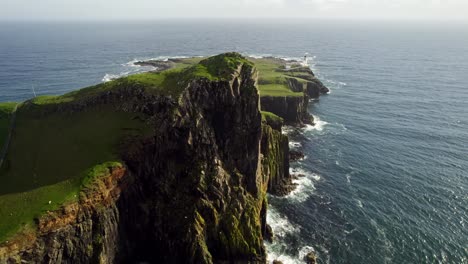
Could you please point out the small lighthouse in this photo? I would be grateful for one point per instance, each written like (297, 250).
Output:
(306, 60)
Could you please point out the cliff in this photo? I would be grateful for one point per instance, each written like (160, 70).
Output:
(170, 166)
(286, 88)
(190, 189)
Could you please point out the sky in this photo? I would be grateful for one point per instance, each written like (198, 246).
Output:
(163, 9)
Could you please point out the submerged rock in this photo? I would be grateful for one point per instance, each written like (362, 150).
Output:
(269, 235)
(310, 258)
(295, 155)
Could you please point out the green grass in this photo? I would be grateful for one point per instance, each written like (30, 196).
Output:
(278, 90)
(5, 117)
(223, 65)
(53, 156)
(270, 117)
(186, 62)
(272, 81)
(170, 82)
(50, 157)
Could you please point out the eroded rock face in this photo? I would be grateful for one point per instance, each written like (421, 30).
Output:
(192, 192)
(293, 109)
(205, 167)
(81, 232)
(315, 88)
(275, 151)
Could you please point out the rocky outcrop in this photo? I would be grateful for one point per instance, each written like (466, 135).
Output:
(205, 165)
(275, 152)
(192, 192)
(293, 109)
(304, 80)
(81, 232)
(295, 155)
(315, 88)
(310, 258)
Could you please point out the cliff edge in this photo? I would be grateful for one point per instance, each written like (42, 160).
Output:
(170, 166)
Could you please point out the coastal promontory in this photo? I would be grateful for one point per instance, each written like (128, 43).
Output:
(168, 166)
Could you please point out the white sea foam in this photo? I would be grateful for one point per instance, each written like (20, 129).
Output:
(109, 77)
(303, 190)
(280, 224)
(319, 125)
(304, 251)
(359, 203)
(294, 144)
(131, 68)
(258, 56)
(304, 185)
(275, 253)
(286, 130)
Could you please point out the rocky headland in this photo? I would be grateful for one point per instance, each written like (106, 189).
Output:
(201, 147)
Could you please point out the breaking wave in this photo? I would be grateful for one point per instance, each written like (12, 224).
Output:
(131, 67)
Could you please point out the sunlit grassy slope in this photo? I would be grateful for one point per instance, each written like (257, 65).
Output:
(49, 156)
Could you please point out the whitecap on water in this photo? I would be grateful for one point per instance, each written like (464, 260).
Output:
(359, 203)
(348, 178)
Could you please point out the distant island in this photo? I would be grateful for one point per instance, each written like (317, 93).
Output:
(168, 166)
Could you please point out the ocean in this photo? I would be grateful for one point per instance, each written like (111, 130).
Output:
(386, 167)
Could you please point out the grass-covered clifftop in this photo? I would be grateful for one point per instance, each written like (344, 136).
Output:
(273, 78)
(50, 155)
(51, 151)
(187, 139)
(168, 166)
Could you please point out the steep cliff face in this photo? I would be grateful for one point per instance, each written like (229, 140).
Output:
(293, 109)
(304, 86)
(192, 192)
(205, 165)
(275, 151)
(81, 232)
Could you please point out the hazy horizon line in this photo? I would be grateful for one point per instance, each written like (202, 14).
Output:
(259, 19)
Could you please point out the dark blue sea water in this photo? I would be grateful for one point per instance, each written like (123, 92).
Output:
(387, 163)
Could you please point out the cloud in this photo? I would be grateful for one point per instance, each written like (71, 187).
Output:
(151, 9)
